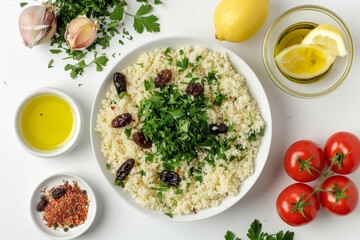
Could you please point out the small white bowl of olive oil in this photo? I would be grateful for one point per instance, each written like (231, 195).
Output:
(49, 122)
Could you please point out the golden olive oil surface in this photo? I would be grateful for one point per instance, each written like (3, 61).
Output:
(47, 122)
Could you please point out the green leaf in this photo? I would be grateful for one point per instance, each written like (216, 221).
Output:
(128, 132)
(122, 95)
(183, 65)
(157, 2)
(100, 62)
(55, 51)
(159, 196)
(142, 173)
(255, 230)
(147, 22)
(119, 183)
(144, 9)
(148, 85)
(23, 4)
(288, 236)
(108, 166)
(167, 50)
(178, 113)
(169, 214)
(50, 64)
(118, 13)
(231, 236)
(179, 192)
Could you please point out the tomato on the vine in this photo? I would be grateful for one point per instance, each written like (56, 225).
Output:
(339, 195)
(304, 161)
(344, 147)
(297, 204)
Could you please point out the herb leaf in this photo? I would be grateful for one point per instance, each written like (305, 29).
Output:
(231, 236)
(147, 22)
(255, 233)
(118, 13)
(50, 64)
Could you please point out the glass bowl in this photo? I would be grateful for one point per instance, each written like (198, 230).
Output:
(338, 71)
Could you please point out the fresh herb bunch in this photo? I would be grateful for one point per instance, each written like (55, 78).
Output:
(110, 14)
(255, 233)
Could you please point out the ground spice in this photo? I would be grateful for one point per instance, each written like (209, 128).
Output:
(68, 211)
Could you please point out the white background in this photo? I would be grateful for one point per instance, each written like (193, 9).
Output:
(22, 70)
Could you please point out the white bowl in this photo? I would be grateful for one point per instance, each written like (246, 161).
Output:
(255, 89)
(71, 143)
(53, 181)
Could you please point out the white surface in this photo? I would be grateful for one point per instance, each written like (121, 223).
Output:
(23, 69)
(255, 88)
(54, 181)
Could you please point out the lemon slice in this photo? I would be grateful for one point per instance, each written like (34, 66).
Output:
(327, 37)
(302, 61)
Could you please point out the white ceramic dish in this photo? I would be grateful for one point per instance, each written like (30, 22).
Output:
(56, 180)
(256, 90)
(78, 128)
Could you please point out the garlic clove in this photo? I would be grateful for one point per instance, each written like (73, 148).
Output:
(81, 33)
(37, 24)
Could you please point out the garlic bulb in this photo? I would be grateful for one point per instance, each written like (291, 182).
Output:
(37, 24)
(81, 33)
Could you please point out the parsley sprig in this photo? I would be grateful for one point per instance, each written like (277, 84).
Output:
(255, 233)
(110, 16)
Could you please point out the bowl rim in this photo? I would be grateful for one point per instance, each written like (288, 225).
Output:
(348, 36)
(91, 197)
(66, 148)
(257, 89)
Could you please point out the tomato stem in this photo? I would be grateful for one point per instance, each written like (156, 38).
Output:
(301, 203)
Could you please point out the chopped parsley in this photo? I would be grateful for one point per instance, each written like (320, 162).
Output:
(119, 183)
(108, 166)
(50, 64)
(169, 214)
(128, 132)
(183, 64)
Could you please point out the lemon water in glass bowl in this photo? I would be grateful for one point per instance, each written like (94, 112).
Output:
(288, 30)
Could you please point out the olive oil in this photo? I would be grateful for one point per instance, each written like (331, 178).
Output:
(292, 35)
(47, 122)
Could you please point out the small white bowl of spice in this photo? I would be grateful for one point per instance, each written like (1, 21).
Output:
(48, 122)
(63, 206)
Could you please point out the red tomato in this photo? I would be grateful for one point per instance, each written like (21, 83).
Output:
(294, 207)
(341, 196)
(345, 147)
(304, 161)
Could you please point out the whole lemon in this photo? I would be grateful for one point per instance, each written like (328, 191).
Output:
(239, 20)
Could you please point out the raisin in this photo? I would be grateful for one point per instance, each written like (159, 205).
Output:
(119, 80)
(58, 193)
(121, 121)
(218, 128)
(125, 169)
(194, 89)
(42, 204)
(162, 78)
(170, 178)
(140, 139)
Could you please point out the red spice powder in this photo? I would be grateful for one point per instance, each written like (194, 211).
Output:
(70, 210)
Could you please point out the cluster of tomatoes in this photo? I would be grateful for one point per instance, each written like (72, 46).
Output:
(304, 161)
